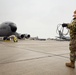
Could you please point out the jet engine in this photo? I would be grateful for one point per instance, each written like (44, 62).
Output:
(22, 36)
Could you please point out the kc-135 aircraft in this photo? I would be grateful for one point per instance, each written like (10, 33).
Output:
(8, 29)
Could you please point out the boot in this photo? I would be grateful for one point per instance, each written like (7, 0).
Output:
(71, 64)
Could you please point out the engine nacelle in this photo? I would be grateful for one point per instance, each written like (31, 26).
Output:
(27, 36)
(22, 36)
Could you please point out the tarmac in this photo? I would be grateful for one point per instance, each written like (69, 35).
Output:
(35, 57)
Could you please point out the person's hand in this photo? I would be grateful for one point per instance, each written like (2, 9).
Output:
(64, 25)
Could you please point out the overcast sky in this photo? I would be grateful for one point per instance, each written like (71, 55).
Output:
(37, 17)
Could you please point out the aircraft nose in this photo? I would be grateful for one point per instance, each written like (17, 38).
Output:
(13, 27)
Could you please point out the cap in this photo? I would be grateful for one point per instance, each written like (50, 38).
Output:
(75, 12)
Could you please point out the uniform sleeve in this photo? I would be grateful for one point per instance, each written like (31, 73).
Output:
(72, 25)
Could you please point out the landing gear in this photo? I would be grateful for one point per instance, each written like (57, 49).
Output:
(6, 38)
(15, 39)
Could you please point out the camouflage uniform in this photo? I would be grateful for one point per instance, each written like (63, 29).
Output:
(72, 45)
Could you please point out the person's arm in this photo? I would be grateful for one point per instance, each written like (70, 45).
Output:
(72, 25)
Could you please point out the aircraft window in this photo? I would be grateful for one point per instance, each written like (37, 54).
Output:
(11, 23)
(6, 23)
